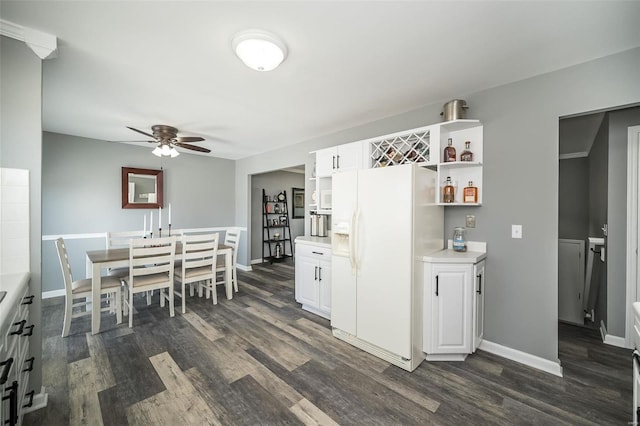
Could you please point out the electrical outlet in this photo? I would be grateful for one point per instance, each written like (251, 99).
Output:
(516, 231)
(471, 221)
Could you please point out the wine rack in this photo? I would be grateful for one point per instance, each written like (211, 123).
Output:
(412, 147)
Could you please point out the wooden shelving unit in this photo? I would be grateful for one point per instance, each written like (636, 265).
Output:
(275, 220)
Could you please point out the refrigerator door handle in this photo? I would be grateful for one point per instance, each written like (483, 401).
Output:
(355, 235)
(352, 243)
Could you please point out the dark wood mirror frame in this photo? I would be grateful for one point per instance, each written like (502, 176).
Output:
(158, 174)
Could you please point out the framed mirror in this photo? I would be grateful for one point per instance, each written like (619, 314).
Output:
(141, 188)
(298, 203)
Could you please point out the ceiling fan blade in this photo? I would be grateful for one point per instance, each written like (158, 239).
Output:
(141, 132)
(193, 147)
(189, 139)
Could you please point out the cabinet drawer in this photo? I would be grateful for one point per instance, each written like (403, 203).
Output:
(313, 251)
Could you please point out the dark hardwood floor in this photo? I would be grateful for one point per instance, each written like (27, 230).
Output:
(260, 359)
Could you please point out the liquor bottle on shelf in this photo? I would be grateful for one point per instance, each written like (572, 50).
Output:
(466, 155)
(448, 191)
(470, 194)
(449, 152)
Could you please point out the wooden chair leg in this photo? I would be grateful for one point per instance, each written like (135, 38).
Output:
(234, 279)
(68, 307)
(117, 297)
(149, 294)
(130, 308)
(184, 304)
(172, 311)
(213, 292)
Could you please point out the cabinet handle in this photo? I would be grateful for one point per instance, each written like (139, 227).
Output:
(30, 395)
(333, 162)
(316, 274)
(30, 332)
(13, 404)
(5, 371)
(437, 285)
(28, 302)
(20, 328)
(479, 291)
(319, 273)
(317, 252)
(338, 162)
(30, 361)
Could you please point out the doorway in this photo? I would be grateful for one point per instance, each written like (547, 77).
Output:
(273, 182)
(593, 213)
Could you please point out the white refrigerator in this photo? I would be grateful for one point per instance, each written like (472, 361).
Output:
(384, 220)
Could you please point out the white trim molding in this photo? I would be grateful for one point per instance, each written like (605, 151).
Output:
(525, 358)
(53, 293)
(572, 155)
(44, 45)
(633, 233)
(610, 339)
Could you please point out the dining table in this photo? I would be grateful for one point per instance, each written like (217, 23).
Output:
(97, 260)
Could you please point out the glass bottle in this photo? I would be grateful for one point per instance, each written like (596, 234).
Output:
(466, 155)
(448, 191)
(470, 194)
(458, 240)
(449, 152)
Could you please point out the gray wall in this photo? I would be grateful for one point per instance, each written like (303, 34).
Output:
(272, 183)
(81, 194)
(573, 201)
(619, 121)
(21, 148)
(520, 186)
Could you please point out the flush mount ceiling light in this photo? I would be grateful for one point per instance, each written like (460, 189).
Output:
(259, 50)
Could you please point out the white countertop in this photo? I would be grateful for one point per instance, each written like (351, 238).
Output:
(14, 285)
(451, 256)
(314, 241)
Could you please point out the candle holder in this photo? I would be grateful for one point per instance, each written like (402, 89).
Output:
(159, 232)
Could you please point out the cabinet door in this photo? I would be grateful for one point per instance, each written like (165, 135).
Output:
(450, 309)
(307, 281)
(478, 308)
(326, 162)
(349, 157)
(324, 284)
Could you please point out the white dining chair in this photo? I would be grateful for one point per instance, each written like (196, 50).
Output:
(231, 238)
(199, 255)
(121, 240)
(81, 289)
(151, 267)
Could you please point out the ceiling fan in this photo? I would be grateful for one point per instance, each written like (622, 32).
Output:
(167, 139)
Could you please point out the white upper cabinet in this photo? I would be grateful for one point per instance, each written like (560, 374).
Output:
(339, 158)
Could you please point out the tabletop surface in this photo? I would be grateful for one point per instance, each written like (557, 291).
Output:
(110, 255)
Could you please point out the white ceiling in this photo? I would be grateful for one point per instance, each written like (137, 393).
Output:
(140, 63)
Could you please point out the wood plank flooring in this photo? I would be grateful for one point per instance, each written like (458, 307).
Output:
(260, 359)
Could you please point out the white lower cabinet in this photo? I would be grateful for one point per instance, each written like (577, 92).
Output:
(313, 278)
(453, 308)
(15, 360)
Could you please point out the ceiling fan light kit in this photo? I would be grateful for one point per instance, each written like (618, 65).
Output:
(167, 139)
(259, 50)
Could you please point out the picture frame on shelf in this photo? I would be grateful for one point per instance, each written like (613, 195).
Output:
(298, 203)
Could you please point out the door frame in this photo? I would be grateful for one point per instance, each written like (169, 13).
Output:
(633, 185)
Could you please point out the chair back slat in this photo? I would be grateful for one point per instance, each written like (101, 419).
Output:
(232, 238)
(151, 256)
(64, 265)
(199, 250)
(121, 239)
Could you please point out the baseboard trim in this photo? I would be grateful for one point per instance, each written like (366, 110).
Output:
(609, 339)
(40, 400)
(254, 261)
(525, 358)
(53, 293)
(244, 268)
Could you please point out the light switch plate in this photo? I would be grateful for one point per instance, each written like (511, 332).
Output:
(471, 221)
(516, 231)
